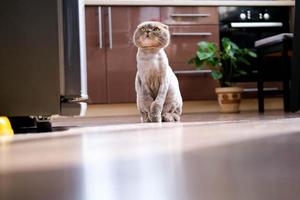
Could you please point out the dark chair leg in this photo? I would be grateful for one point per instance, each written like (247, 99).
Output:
(260, 94)
(286, 94)
(260, 84)
(286, 76)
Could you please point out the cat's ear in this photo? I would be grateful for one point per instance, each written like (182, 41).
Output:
(166, 27)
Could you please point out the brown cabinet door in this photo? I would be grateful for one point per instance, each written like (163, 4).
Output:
(121, 53)
(96, 65)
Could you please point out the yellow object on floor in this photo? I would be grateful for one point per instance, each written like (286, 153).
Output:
(5, 127)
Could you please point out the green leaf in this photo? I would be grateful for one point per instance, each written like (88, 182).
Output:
(252, 54)
(204, 55)
(225, 41)
(195, 61)
(212, 47)
(199, 63)
(213, 61)
(234, 46)
(225, 63)
(203, 44)
(216, 75)
(243, 60)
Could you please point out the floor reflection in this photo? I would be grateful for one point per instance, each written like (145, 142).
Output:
(140, 171)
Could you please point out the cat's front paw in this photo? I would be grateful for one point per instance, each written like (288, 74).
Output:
(155, 112)
(170, 117)
(145, 117)
(155, 108)
(155, 118)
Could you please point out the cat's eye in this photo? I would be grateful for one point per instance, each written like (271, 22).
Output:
(156, 29)
(143, 29)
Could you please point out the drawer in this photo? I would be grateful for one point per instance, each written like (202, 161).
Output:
(194, 87)
(184, 40)
(189, 15)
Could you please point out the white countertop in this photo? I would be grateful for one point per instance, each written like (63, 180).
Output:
(192, 2)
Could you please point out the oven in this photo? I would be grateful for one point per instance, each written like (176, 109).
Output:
(245, 25)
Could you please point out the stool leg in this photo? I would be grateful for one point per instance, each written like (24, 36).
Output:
(286, 95)
(260, 83)
(286, 77)
(260, 94)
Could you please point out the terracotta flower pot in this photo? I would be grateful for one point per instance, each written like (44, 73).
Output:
(229, 99)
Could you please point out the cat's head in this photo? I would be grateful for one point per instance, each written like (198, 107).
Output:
(151, 35)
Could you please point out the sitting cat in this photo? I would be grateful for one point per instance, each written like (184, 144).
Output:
(157, 88)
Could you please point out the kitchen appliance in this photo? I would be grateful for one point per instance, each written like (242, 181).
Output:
(244, 26)
(295, 70)
(42, 58)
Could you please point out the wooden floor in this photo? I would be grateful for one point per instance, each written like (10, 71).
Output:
(193, 111)
(209, 156)
(209, 106)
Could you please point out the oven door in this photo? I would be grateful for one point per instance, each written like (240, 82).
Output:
(244, 34)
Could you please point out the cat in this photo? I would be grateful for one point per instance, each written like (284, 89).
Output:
(157, 88)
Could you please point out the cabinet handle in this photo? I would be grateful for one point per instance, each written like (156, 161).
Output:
(190, 15)
(110, 28)
(100, 27)
(192, 34)
(193, 72)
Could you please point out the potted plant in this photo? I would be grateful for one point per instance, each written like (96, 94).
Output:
(226, 65)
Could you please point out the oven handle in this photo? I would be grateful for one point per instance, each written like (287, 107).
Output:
(192, 34)
(255, 24)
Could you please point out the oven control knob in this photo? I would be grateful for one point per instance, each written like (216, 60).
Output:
(243, 16)
(266, 16)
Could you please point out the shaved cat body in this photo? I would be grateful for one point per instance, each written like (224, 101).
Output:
(157, 88)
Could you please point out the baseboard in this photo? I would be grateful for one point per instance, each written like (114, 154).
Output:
(127, 109)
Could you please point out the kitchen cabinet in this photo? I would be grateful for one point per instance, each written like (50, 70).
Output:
(111, 53)
(96, 62)
(188, 26)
